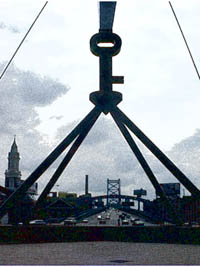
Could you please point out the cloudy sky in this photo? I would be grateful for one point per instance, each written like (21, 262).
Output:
(45, 92)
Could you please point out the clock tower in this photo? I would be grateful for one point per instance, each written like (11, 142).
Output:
(12, 174)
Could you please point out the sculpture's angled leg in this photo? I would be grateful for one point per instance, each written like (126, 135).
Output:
(64, 162)
(21, 190)
(159, 154)
(138, 155)
(145, 167)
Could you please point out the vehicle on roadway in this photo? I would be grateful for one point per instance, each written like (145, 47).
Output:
(99, 217)
(125, 222)
(70, 221)
(84, 221)
(38, 222)
(137, 222)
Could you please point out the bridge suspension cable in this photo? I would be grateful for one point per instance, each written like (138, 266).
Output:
(184, 40)
(9, 62)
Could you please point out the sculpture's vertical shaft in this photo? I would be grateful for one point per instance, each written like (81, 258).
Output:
(106, 98)
(107, 13)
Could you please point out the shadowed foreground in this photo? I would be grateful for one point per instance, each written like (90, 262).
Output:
(99, 253)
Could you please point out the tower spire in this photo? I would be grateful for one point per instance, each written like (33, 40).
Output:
(14, 148)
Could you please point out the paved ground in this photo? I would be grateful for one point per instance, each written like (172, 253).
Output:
(99, 253)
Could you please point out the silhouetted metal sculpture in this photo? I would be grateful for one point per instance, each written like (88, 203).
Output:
(106, 101)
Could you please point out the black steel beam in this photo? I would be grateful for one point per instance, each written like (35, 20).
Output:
(64, 163)
(138, 155)
(159, 154)
(21, 190)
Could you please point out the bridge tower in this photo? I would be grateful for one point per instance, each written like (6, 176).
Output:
(113, 191)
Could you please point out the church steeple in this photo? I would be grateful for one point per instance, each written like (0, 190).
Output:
(14, 148)
(13, 175)
(13, 158)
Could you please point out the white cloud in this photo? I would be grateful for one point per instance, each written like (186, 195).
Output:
(21, 92)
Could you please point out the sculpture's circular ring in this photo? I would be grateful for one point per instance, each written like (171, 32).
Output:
(105, 37)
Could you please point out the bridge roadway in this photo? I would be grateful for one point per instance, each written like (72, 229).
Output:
(113, 216)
